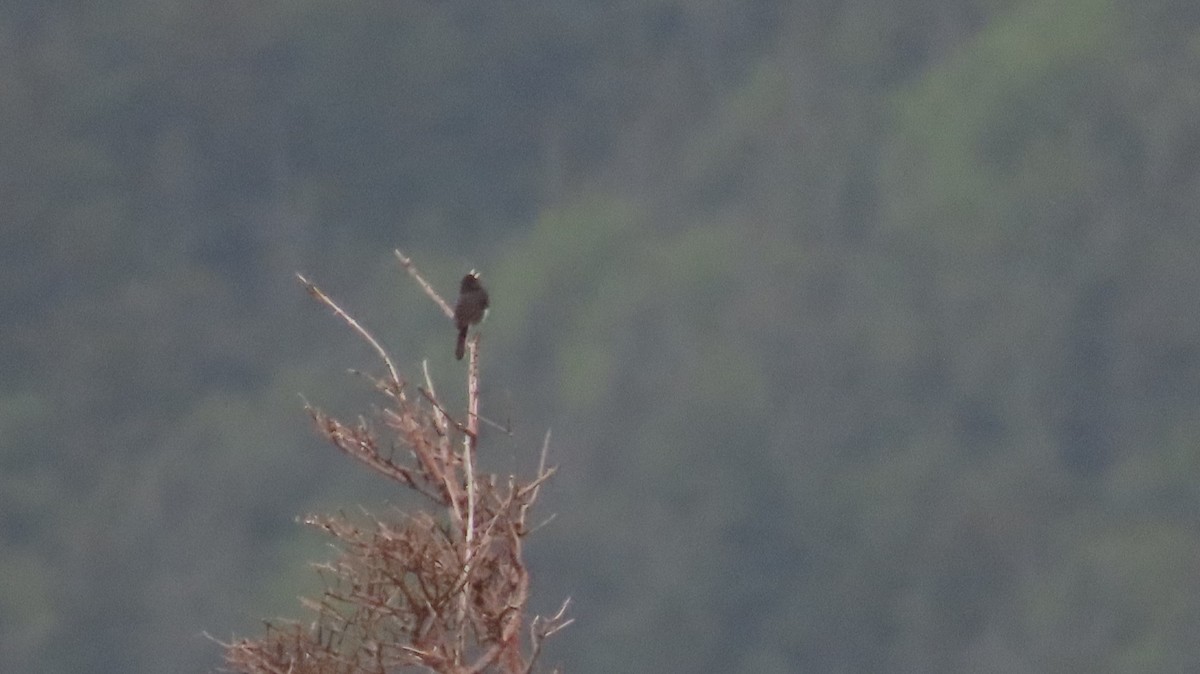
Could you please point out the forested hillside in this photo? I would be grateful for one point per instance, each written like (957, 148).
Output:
(868, 330)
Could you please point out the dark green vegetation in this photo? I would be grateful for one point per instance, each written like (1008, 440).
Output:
(869, 331)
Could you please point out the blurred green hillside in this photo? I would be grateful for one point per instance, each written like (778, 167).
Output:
(868, 330)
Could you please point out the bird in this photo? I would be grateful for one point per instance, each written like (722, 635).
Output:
(471, 308)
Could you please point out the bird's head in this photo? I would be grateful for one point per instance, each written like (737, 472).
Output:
(470, 281)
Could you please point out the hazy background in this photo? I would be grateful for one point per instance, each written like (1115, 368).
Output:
(868, 330)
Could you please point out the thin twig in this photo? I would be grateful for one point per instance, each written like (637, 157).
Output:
(543, 475)
(442, 418)
(507, 430)
(545, 453)
(321, 296)
(411, 268)
(541, 629)
(442, 412)
(386, 388)
(534, 487)
(540, 525)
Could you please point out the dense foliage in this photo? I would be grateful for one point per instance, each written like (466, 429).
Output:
(867, 329)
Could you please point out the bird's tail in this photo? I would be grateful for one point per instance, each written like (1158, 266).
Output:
(461, 347)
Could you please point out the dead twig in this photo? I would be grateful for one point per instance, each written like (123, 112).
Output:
(324, 299)
(411, 268)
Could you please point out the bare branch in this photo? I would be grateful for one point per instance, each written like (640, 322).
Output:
(444, 589)
(411, 268)
(443, 415)
(322, 297)
(430, 394)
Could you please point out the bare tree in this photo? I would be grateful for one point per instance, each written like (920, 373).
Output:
(444, 589)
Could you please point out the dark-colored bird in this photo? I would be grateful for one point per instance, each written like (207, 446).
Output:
(472, 306)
